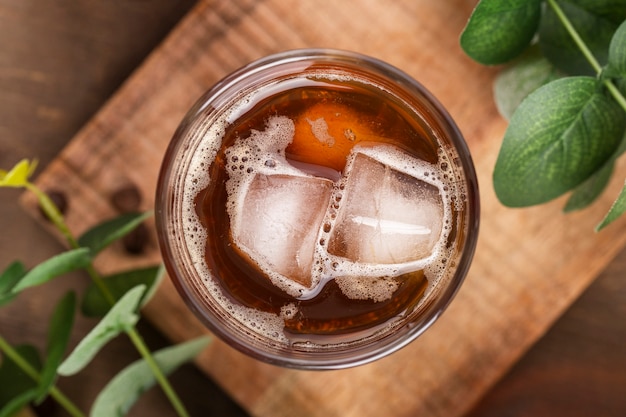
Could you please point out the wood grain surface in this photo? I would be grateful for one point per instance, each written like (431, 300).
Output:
(578, 368)
(59, 61)
(530, 264)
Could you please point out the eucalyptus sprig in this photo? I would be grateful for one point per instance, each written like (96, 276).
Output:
(117, 299)
(563, 93)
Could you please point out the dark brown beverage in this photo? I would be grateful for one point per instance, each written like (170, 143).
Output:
(323, 211)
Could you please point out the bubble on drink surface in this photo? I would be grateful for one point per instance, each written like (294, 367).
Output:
(375, 289)
(288, 311)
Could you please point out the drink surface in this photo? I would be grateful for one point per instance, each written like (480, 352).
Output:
(319, 212)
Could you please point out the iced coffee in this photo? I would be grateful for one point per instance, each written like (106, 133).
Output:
(317, 209)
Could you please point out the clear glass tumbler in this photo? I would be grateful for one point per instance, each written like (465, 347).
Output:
(317, 209)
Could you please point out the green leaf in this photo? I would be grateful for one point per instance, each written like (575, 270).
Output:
(95, 305)
(617, 51)
(617, 209)
(514, 83)
(11, 276)
(13, 380)
(558, 137)
(621, 85)
(102, 235)
(152, 289)
(499, 30)
(18, 403)
(120, 318)
(559, 47)
(18, 175)
(613, 10)
(587, 192)
(126, 387)
(58, 338)
(53, 267)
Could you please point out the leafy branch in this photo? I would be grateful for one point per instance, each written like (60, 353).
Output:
(562, 93)
(117, 299)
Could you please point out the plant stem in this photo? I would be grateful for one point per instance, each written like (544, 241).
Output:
(137, 340)
(55, 216)
(617, 95)
(53, 213)
(575, 36)
(26, 367)
(57, 219)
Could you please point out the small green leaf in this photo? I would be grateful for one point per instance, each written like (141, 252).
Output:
(152, 289)
(617, 209)
(126, 387)
(621, 85)
(53, 267)
(559, 47)
(18, 403)
(13, 380)
(613, 10)
(587, 192)
(498, 30)
(58, 338)
(18, 175)
(559, 136)
(527, 73)
(102, 235)
(119, 319)
(95, 305)
(11, 276)
(617, 51)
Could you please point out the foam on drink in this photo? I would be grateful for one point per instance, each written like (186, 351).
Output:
(263, 154)
(198, 178)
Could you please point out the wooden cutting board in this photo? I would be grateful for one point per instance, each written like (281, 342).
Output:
(529, 266)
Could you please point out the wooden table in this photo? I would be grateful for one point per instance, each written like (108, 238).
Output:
(61, 61)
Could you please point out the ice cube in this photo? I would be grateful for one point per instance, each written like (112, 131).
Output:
(280, 219)
(386, 216)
